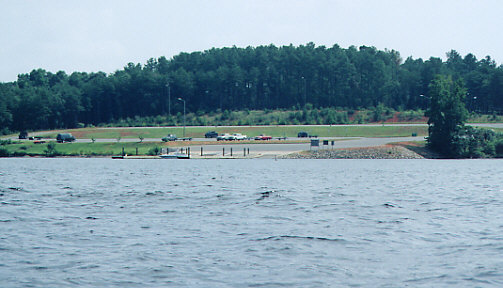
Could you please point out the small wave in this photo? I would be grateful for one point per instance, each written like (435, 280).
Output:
(427, 279)
(272, 284)
(480, 281)
(390, 205)
(264, 195)
(10, 203)
(155, 193)
(300, 237)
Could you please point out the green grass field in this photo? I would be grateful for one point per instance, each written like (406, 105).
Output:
(84, 149)
(251, 131)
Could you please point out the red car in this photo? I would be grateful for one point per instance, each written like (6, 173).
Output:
(263, 137)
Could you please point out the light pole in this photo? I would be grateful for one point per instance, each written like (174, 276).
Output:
(180, 99)
(427, 99)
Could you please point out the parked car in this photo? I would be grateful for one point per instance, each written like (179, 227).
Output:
(303, 134)
(223, 137)
(170, 137)
(226, 137)
(263, 137)
(211, 134)
(239, 136)
(23, 135)
(65, 137)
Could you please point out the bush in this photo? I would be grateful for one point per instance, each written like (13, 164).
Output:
(471, 142)
(4, 152)
(154, 151)
(5, 131)
(51, 151)
(498, 148)
(19, 153)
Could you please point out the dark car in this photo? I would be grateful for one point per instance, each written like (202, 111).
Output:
(170, 137)
(65, 137)
(23, 135)
(302, 134)
(211, 134)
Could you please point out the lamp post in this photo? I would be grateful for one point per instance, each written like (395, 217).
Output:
(180, 99)
(427, 99)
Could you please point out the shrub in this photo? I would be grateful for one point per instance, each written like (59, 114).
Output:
(19, 153)
(470, 142)
(51, 151)
(498, 147)
(4, 152)
(154, 151)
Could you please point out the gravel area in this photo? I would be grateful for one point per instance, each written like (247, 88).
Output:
(380, 152)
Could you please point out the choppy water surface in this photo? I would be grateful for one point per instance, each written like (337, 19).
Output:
(251, 223)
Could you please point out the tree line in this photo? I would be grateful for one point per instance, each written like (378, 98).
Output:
(252, 78)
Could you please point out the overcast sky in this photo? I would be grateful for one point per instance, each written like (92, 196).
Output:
(101, 35)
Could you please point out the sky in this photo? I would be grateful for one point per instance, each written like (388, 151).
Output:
(105, 35)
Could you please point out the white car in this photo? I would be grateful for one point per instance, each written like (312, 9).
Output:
(226, 137)
(239, 136)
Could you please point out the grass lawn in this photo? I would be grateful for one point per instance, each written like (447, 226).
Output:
(251, 131)
(85, 149)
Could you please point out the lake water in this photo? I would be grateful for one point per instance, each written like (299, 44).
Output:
(251, 223)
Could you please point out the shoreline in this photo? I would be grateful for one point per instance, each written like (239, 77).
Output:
(389, 151)
(403, 150)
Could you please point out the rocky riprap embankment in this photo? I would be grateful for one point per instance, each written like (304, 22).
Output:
(381, 152)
